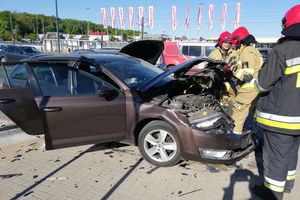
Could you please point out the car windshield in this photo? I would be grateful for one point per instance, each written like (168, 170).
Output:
(134, 72)
(30, 50)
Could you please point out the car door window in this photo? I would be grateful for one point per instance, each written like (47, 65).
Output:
(85, 83)
(61, 80)
(191, 50)
(195, 50)
(18, 50)
(208, 50)
(52, 78)
(17, 74)
(185, 50)
(10, 49)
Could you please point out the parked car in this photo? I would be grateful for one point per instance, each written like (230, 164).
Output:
(178, 52)
(12, 53)
(264, 52)
(94, 98)
(95, 51)
(195, 49)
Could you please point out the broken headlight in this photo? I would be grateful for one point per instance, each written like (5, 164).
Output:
(208, 122)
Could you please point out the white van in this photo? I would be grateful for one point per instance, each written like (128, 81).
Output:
(196, 49)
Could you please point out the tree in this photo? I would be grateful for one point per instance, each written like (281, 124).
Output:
(27, 24)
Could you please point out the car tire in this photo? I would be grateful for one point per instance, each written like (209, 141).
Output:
(3, 59)
(159, 145)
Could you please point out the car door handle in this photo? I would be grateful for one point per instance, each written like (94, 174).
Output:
(7, 100)
(52, 109)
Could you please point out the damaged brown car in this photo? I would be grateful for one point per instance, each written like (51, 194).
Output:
(96, 98)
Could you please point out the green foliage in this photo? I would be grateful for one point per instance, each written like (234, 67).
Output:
(26, 24)
(31, 36)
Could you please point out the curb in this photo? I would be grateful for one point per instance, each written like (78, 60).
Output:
(8, 127)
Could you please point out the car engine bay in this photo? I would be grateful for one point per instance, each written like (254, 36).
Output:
(198, 97)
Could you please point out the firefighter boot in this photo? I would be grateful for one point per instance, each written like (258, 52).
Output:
(266, 194)
(289, 184)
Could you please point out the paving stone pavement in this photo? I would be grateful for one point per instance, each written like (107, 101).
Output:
(116, 171)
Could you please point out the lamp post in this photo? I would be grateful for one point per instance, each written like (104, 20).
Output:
(57, 27)
(88, 25)
(11, 28)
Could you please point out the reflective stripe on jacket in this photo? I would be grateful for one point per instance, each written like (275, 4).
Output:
(278, 81)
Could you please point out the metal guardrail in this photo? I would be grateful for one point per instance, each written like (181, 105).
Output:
(50, 45)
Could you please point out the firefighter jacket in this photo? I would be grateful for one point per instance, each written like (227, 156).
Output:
(249, 63)
(220, 54)
(278, 81)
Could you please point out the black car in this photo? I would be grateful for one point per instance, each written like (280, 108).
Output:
(13, 53)
(82, 99)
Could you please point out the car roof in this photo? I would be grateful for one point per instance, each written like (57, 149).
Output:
(95, 51)
(93, 58)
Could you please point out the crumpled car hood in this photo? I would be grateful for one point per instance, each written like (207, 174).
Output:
(178, 71)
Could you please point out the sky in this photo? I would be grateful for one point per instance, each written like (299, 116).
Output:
(261, 17)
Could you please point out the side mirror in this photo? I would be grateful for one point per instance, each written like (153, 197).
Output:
(107, 93)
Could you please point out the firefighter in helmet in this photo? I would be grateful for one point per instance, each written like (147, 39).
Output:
(223, 48)
(278, 110)
(224, 52)
(245, 68)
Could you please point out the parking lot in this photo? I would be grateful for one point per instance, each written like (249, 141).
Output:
(117, 171)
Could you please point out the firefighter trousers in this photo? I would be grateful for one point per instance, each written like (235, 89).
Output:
(244, 103)
(280, 157)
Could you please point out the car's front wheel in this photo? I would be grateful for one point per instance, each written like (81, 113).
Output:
(159, 144)
(3, 59)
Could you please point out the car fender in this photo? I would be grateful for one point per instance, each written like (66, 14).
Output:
(152, 112)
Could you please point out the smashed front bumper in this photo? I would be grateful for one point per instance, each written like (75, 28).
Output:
(223, 147)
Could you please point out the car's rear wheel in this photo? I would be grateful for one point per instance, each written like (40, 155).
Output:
(159, 144)
(3, 59)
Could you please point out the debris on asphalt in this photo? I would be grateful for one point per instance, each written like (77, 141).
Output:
(32, 144)
(30, 150)
(57, 178)
(109, 152)
(57, 159)
(184, 166)
(212, 169)
(6, 176)
(152, 170)
(15, 159)
(180, 195)
(128, 151)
